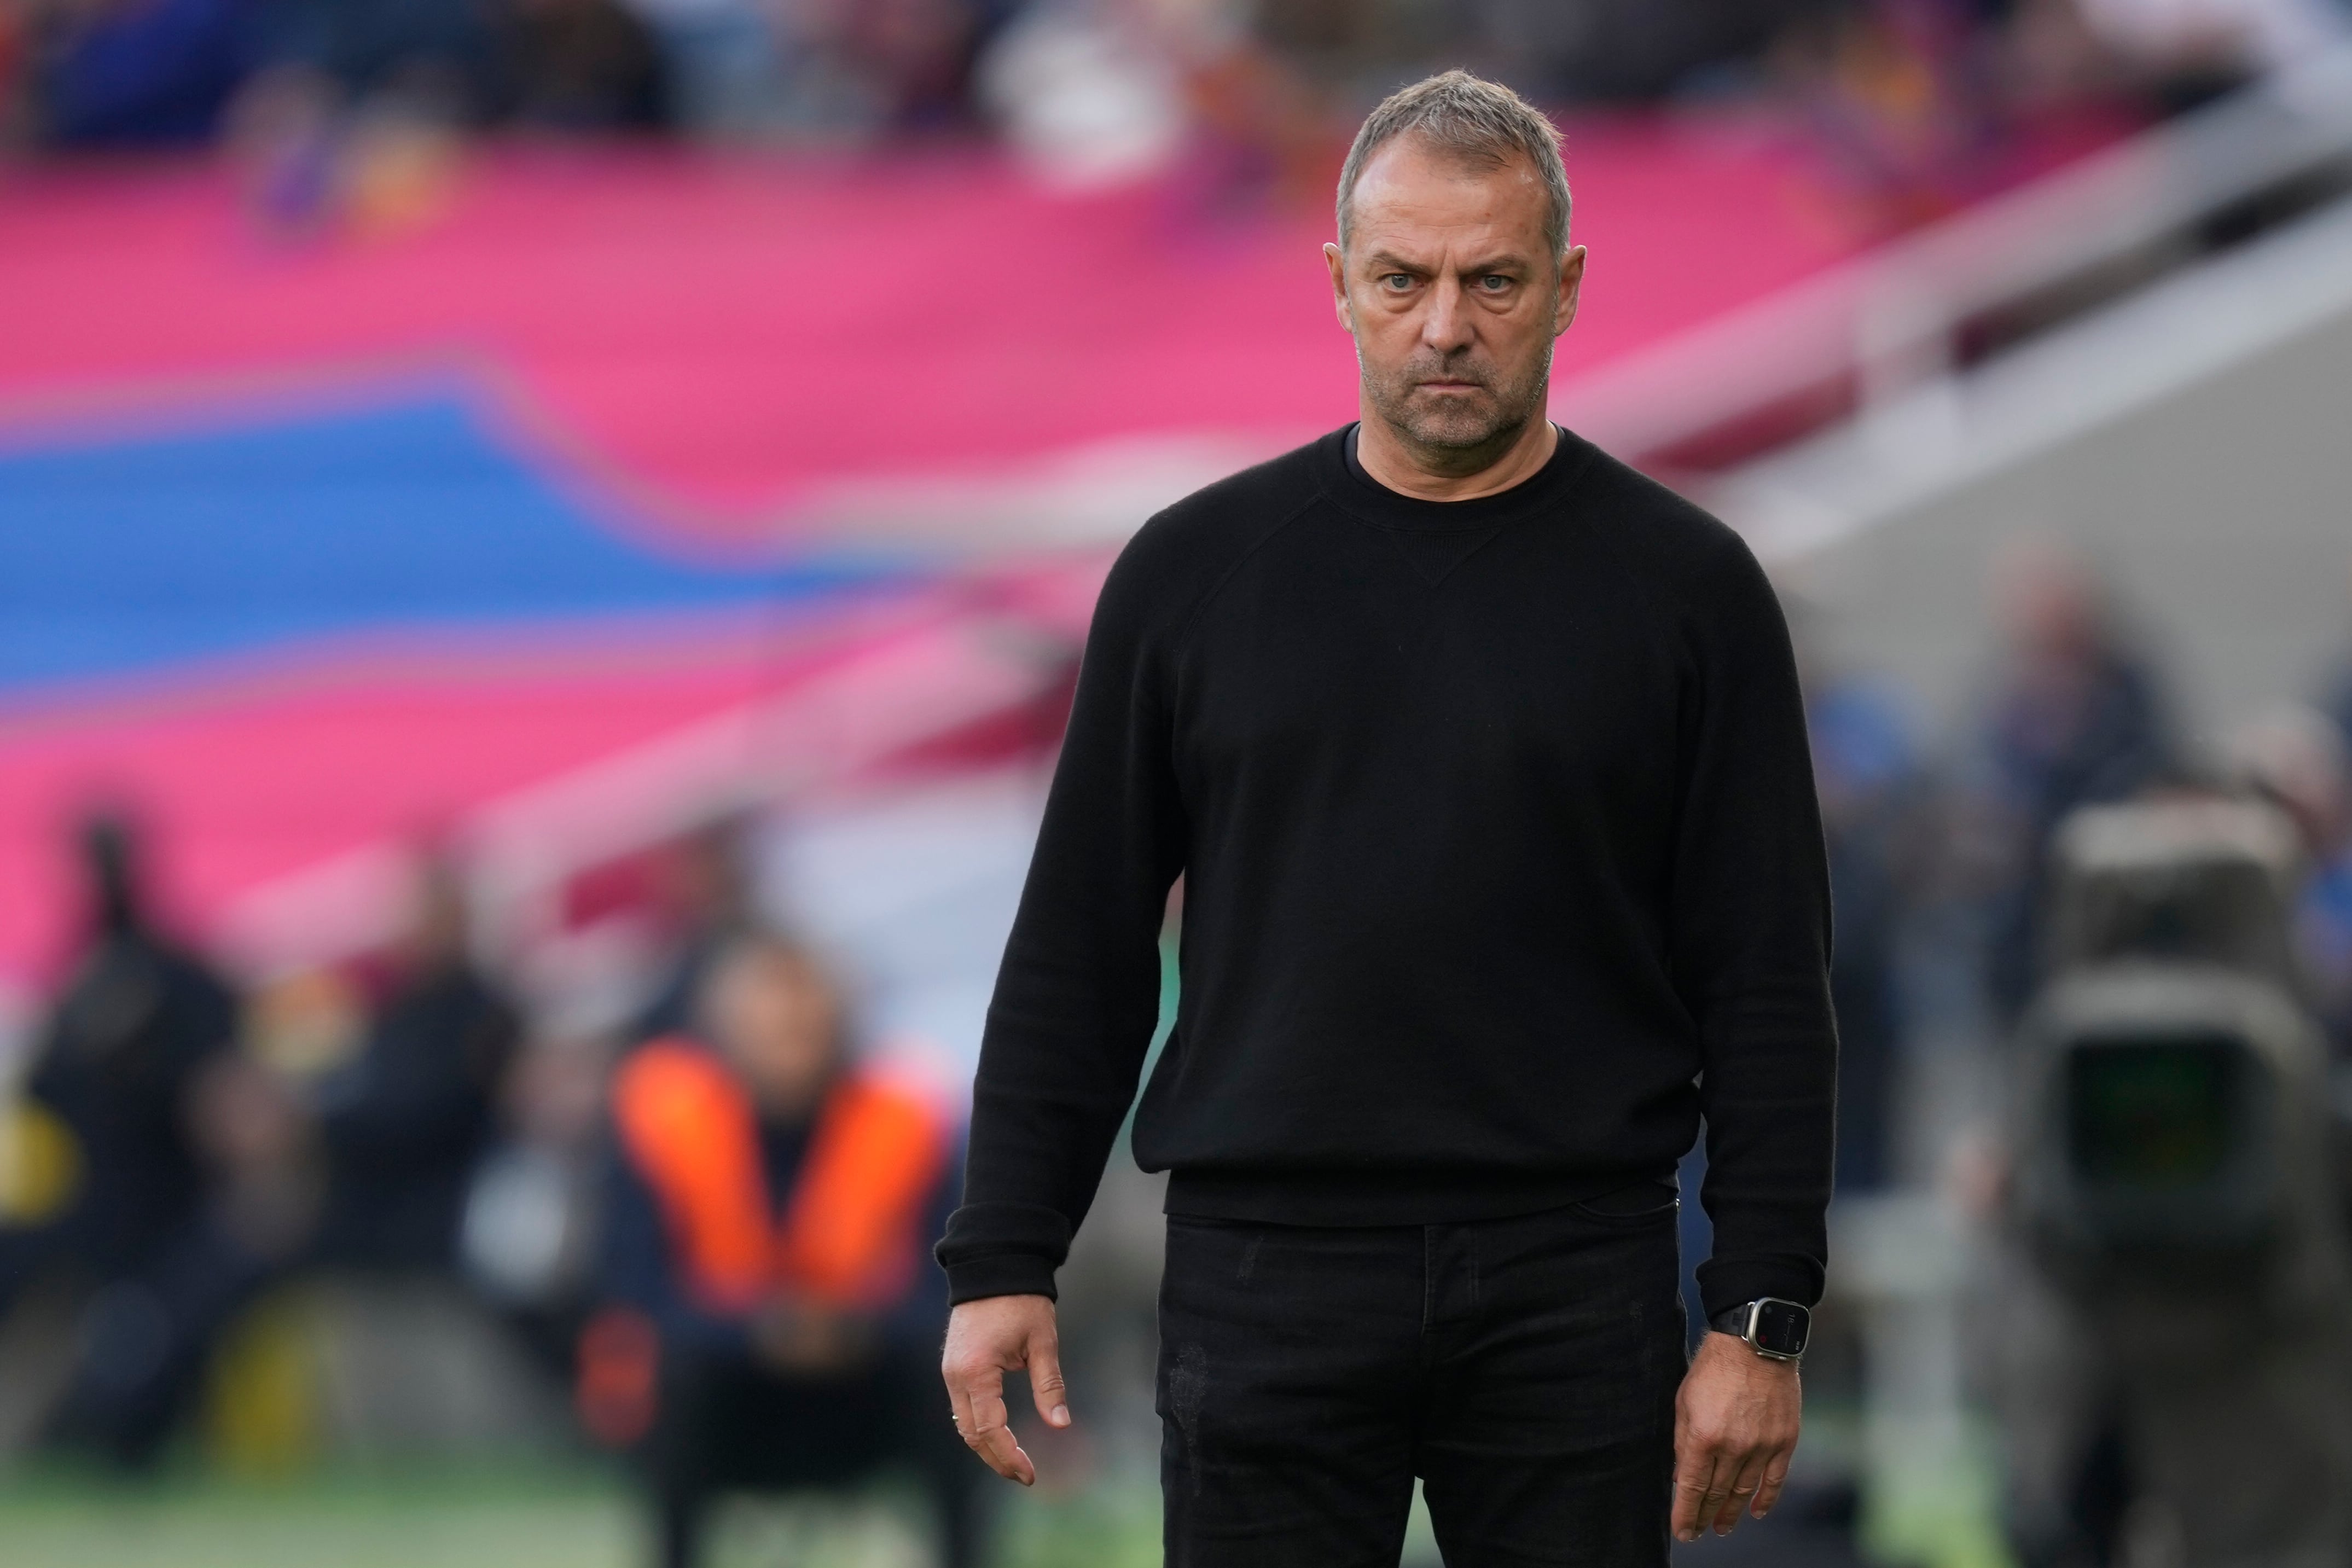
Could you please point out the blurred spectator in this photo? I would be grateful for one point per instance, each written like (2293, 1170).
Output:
(530, 1210)
(1626, 50)
(1911, 95)
(1084, 100)
(583, 65)
(775, 1320)
(1867, 774)
(406, 1121)
(135, 1023)
(906, 64)
(438, 54)
(721, 63)
(134, 72)
(2076, 718)
(704, 887)
(147, 1338)
(1098, 94)
(1363, 51)
(165, 72)
(835, 68)
(1901, 94)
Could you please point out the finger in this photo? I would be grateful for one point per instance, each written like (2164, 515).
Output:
(960, 1398)
(991, 1435)
(1710, 1484)
(980, 1417)
(1694, 1471)
(1046, 1379)
(1746, 1479)
(1718, 1490)
(1776, 1476)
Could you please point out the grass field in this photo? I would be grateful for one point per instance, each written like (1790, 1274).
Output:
(504, 1519)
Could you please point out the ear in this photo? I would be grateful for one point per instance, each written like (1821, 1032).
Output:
(1571, 282)
(1338, 266)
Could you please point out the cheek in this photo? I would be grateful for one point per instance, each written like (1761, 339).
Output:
(1383, 324)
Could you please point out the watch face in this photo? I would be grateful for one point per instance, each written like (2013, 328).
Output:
(1782, 1326)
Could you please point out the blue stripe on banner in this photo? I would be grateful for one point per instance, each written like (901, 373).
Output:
(125, 555)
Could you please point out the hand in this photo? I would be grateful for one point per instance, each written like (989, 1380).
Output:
(987, 1339)
(802, 1337)
(1735, 1424)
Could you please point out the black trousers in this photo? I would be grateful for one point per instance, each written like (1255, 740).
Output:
(1525, 1369)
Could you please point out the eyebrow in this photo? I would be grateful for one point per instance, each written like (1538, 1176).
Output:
(1389, 261)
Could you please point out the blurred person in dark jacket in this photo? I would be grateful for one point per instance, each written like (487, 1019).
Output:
(133, 73)
(1624, 50)
(148, 1337)
(583, 65)
(441, 54)
(2077, 718)
(1867, 774)
(773, 1318)
(884, 64)
(136, 1022)
(704, 887)
(404, 1121)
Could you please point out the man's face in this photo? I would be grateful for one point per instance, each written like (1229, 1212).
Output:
(1452, 296)
(776, 1020)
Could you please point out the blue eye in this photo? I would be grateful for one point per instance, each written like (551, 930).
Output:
(1400, 281)
(1494, 282)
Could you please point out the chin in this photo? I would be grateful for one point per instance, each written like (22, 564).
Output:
(1462, 432)
(1453, 424)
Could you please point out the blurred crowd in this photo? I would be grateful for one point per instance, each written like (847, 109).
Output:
(1100, 88)
(708, 1217)
(705, 1211)
(1945, 857)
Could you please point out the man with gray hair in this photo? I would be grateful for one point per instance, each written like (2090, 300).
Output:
(1483, 759)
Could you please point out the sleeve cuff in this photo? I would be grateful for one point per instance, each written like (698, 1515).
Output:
(1002, 1250)
(1000, 1274)
(1724, 1282)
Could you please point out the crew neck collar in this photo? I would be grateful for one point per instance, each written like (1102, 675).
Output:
(1346, 483)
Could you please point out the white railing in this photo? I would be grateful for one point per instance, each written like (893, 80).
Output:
(1890, 318)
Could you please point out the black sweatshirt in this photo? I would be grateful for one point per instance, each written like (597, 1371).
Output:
(1502, 865)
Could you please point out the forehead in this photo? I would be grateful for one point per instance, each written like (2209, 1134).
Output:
(1410, 197)
(764, 972)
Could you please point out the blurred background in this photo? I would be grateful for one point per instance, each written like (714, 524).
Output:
(534, 529)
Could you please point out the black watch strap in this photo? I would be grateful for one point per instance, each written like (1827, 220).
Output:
(1770, 1327)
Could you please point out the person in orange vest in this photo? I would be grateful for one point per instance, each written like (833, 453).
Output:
(771, 1313)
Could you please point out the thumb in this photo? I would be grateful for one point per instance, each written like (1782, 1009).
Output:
(1044, 1359)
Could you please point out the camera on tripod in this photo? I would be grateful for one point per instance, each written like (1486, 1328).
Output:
(2176, 1178)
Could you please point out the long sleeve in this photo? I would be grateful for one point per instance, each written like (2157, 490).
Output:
(1750, 948)
(1077, 996)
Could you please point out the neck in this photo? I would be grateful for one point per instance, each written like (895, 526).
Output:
(1442, 474)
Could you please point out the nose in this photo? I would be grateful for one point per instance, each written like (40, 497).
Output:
(1447, 328)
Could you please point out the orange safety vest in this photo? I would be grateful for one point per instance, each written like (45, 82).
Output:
(851, 1235)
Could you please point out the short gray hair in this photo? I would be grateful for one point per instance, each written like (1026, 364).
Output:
(1480, 122)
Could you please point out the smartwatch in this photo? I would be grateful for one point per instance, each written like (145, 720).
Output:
(1771, 1327)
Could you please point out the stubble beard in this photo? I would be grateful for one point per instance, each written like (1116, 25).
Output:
(1457, 434)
